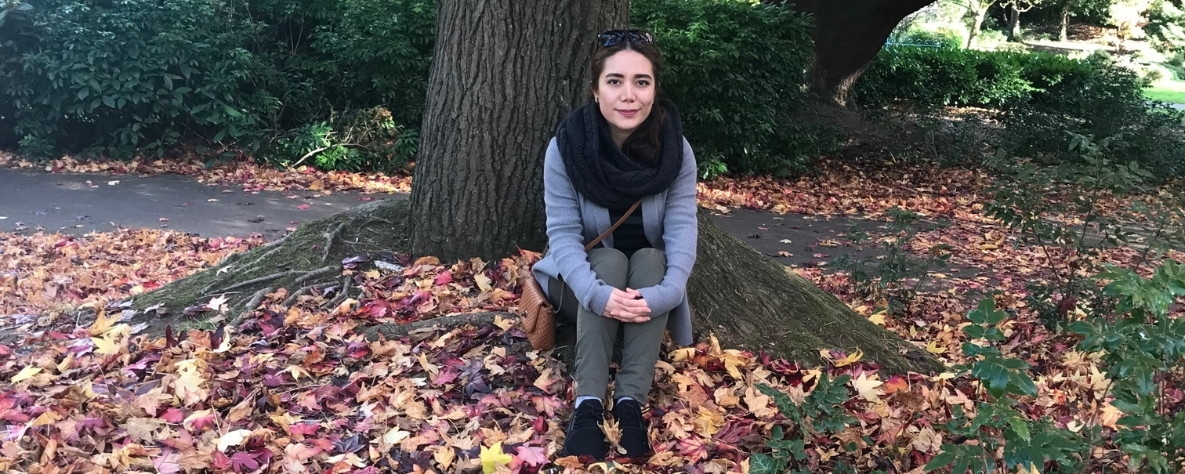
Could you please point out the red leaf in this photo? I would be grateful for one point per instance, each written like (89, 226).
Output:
(444, 278)
(166, 463)
(304, 429)
(895, 384)
(173, 415)
(242, 462)
(532, 456)
(302, 206)
(693, 448)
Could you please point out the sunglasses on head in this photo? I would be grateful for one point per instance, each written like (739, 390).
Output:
(612, 38)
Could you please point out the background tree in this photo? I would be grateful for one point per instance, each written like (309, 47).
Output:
(848, 34)
(977, 11)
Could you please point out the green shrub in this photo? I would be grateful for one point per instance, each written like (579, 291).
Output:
(361, 140)
(940, 37)
(735, 70)
(1046, 100)
(1166, 26)
(133, 75)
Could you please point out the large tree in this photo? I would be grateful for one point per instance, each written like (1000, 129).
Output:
(504, 74)
(848, 34)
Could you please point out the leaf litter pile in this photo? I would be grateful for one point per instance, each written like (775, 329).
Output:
(299, 389)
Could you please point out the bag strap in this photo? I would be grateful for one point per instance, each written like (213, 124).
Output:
(615, 226)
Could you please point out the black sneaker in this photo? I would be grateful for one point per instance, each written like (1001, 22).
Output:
(634, 437)
(585, 437)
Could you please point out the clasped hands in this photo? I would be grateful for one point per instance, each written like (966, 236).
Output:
(627, 306)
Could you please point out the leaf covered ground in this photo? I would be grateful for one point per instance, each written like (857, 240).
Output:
(301, 390)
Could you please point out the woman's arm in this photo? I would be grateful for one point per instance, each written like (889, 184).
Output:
(565, 234)
(680, 234)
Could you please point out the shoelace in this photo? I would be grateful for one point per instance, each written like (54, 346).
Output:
(587, 415)
(630, 418)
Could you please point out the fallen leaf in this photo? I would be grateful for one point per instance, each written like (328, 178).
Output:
(232, 439)
(25, 374)
(493, 457)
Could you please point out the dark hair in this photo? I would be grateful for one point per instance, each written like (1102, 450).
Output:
(645, 143)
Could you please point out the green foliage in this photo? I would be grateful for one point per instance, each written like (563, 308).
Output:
(363, 140)
(130, 75)
(1044, 100)
(1141, 344)
(820, 414)
(133, 76)
(1166, 26)
(944, 38)
(736, 70)
(997, 424)
(1127, 316)
(884, 276)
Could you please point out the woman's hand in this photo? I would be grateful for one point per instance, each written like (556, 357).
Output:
(627, 306)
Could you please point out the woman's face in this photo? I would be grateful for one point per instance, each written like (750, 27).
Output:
(625, 92)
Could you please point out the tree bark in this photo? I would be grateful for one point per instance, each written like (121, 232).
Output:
(504, 73)
(1063, 34)
(1014, 24)
(848, 34)
(978, 16)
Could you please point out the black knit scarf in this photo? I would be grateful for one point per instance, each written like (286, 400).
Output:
(602, 173)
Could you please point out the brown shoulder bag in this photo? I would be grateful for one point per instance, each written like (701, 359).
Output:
(537, 312)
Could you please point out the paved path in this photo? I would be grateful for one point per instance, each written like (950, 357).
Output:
(32, 201)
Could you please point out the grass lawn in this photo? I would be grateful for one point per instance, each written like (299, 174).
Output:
(1172, 92)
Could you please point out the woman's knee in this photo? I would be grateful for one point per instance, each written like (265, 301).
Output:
(610, 265)
(648, 256)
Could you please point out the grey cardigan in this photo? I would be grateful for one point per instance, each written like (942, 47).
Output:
(573, 221)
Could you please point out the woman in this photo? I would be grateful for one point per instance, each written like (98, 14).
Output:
(623, 147)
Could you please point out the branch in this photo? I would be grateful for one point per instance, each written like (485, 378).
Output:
(321, 149)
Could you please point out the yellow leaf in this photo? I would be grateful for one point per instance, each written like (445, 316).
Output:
(372, 274)
(104, 346)
(933, 348)
(102, 324)
(850, 359)
(26, 373)
(492, 457)
(505, 324)
(708, 421)
(868, 388)
(733, 361)
(878, 318)
(679, 355)
(444, 455)
(188, 385)
(483, 282)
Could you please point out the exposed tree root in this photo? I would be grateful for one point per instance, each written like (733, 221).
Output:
(297, 261)
(329, 238)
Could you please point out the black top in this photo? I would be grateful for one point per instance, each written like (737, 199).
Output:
(630, 236)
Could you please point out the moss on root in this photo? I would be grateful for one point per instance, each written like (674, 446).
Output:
(308, 258)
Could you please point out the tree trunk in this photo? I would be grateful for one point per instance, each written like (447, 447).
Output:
(976, 26)
(1014, 24)
(751, 302)
(1063, 34)
(848, 34)
(504, 73)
